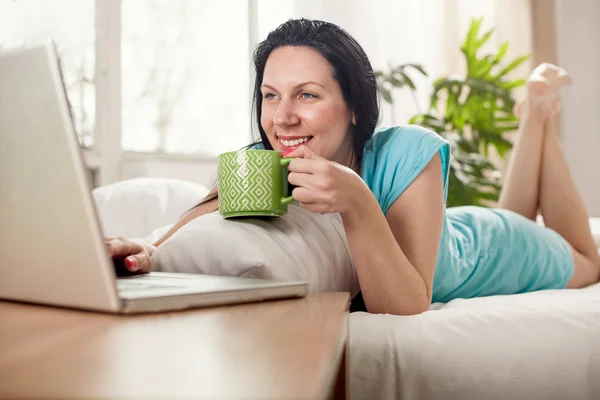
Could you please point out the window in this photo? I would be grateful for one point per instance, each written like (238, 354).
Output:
(185, 76)
(176, 75)
(27, 22)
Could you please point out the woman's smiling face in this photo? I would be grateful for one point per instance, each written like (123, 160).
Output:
(302, 104)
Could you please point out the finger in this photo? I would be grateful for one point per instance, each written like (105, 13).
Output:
(301, 179)
(113, 247)
(138, 263)
(304, 195)
(121, 247)
(117, 248)
(307, 166)
(302, 152)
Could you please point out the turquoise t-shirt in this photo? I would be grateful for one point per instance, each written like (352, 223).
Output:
(482, 251)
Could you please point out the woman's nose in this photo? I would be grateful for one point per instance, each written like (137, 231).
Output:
(285, 115)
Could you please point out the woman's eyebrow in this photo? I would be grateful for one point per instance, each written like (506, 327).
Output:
(266, 85)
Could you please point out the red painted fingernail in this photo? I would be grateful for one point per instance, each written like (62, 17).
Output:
(131, 263)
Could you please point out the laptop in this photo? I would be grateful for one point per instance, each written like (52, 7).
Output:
(52, 250)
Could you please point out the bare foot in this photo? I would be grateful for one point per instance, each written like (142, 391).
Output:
(543, 89)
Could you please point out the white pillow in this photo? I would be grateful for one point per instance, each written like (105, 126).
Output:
(136, 207)
(301, 245)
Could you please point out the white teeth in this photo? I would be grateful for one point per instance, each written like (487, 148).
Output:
(295, 142)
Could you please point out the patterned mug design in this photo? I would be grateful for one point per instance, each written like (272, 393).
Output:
(253, 183)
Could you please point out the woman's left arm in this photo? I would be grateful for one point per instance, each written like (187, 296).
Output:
(395, 255)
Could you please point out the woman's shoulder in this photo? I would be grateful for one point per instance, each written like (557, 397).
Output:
(403, 138)
(395, 156)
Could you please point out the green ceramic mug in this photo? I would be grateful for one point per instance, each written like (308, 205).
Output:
(253, 183)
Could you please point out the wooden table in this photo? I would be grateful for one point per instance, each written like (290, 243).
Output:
(288, 349)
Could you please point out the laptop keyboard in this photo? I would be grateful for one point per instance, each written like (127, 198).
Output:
(137, 284)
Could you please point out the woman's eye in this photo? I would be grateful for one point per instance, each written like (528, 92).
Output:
(308, 96)
(269, 96)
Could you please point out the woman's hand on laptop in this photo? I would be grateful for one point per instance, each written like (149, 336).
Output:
(130, 255)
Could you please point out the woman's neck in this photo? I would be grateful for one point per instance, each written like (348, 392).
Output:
(347, 158)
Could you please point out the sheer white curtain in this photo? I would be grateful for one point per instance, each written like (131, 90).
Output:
(426, 32)
(185, 76)
(71, 25)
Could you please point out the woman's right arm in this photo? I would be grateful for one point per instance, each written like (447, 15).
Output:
(204, 208)
(133, 255)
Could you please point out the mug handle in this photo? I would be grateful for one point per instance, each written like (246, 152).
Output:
(285, 162)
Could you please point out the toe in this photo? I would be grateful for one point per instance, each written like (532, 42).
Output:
(560, 81)
(537, 87)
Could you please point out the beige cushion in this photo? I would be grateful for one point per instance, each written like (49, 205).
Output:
(302, 245)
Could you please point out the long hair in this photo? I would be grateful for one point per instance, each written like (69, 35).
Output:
(351, 69)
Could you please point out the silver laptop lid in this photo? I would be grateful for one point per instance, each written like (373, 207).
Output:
(51, 249)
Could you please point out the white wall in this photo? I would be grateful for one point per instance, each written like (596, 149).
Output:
(578, 30)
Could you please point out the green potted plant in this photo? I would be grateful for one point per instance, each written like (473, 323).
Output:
(474, 112)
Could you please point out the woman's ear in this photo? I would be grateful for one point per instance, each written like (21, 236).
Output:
(353, 119)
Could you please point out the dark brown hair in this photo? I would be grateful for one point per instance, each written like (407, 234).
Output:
(351, 69)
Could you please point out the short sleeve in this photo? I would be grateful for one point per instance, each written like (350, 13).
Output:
(396, 156)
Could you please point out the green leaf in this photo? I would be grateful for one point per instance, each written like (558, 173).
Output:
(513, 65)
(418, 68)
(501, 53)
(506, 127)
(429, 121)
(514, 84)
(479, 43)
(408, 81)
(481, 70)
(397, 82)
(470, 58)
(471, 38)
(387, 96)
(433, 102)
(473, 112)
(508, 118)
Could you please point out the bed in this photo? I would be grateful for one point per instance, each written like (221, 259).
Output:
(540, 345)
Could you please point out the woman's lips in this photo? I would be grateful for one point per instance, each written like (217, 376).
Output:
(289, 143)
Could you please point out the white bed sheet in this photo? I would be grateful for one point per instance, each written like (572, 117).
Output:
(540, 345)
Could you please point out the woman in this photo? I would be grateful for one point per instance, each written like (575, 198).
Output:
(316, 100)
